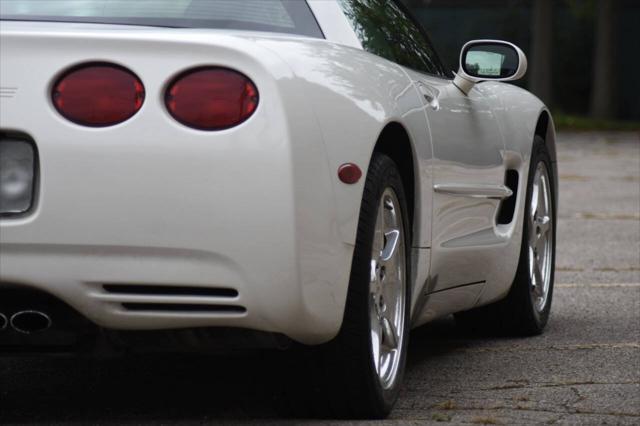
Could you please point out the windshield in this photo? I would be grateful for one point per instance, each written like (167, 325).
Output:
(284, 16)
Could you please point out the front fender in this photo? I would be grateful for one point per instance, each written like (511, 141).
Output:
(521, 116)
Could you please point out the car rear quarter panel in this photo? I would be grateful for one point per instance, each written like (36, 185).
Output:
(354, 95)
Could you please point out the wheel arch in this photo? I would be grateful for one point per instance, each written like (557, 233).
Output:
(395, 142)
(546, 133)
(545, 129)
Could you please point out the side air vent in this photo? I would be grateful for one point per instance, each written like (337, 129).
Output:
(173, 299)
(184, 308)
(508, 206)
(161, 290)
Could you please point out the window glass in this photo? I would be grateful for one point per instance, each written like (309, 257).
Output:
(384, 29)
(289, 16)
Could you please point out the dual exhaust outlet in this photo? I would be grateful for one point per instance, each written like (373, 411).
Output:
(26, 322)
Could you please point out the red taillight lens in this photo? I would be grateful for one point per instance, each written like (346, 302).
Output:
(98, 95)
(211, 98)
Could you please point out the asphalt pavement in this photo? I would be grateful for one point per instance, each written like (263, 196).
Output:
(585, 369)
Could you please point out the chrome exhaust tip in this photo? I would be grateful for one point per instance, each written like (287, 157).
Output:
(29, 322)
(3, 321)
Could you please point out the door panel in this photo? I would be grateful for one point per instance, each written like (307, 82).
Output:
(468, 173)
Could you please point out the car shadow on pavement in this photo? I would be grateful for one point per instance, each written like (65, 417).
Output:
(167, 388)
(155, 388)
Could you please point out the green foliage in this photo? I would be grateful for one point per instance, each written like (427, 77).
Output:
(581, 123)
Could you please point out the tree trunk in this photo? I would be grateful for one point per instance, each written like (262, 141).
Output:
(542, 50)
(603, 81)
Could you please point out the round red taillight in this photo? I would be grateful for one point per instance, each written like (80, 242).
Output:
(211, 98)
(98, 95)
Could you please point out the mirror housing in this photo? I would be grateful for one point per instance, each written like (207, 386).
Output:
(496, 60)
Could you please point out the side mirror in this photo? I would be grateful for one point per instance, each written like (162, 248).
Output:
(482, 60)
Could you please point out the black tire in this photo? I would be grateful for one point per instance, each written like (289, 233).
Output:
(516, 314)
(339, 380)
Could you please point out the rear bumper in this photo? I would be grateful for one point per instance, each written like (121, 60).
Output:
(74, 275)
(190, 214)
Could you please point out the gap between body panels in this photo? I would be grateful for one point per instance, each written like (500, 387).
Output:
(457, 286)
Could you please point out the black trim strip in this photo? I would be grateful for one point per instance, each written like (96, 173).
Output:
(162, 290)
(184, 308)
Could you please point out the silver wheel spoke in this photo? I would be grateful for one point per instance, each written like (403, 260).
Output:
(534, 202)
(376, 341)
(543, 224)
(539, 283)
(532, 262)
(390, 248)
(545, 196)
(378, 243)
(540, 247)
(541, 204)
(533, 240)
(373, 278)
(389, 336)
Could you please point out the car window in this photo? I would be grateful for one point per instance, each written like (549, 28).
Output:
(384, 29)
(287, 16)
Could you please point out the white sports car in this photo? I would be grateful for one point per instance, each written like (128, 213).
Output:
(289, 172)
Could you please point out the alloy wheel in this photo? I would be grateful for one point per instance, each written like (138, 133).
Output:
(387, 302)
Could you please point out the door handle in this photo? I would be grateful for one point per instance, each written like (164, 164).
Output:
(432, 102)
(430, 95)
